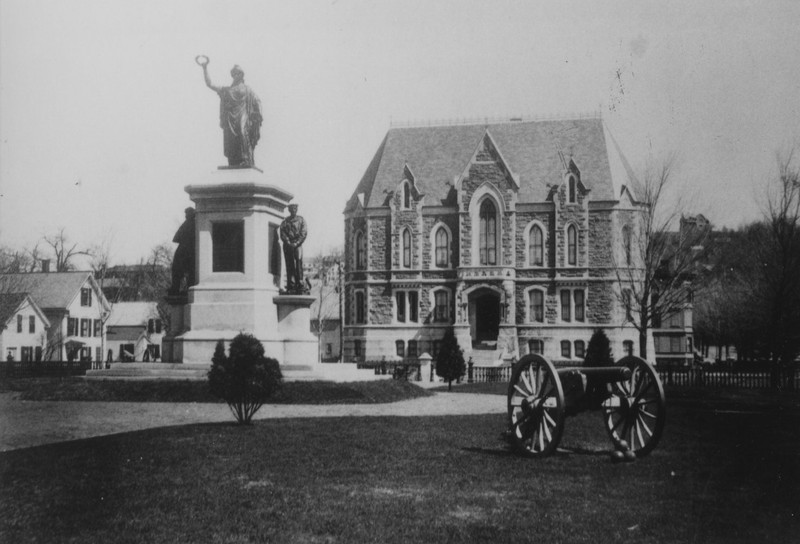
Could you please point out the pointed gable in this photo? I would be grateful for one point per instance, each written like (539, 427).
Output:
(12, 303)
(488, 151)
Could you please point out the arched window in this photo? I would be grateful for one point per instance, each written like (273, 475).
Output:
(361, 251)
(406, 248)
(571, 189)
(442, 248)
(536, 307)
(406, 196)
(488, 233)
(626, 243)
(536, 246)
(572, 245)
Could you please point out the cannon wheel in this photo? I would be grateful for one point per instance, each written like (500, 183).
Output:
(535, 407)
(636, 409)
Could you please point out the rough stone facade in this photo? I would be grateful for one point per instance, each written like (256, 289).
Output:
(488, 304)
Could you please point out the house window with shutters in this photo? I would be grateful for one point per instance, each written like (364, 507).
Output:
(86, 296)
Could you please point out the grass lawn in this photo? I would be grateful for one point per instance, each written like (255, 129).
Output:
(722, 473)
(77, 388)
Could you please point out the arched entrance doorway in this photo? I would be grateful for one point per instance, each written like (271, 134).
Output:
(484, 317)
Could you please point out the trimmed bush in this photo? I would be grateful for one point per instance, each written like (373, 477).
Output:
(450, 363)
(598, 352)
(244, 379)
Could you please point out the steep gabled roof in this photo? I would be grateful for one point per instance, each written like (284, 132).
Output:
(51, 290)
(10, 303)
(530, 149)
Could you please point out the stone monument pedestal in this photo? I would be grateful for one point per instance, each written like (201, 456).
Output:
(238, 263)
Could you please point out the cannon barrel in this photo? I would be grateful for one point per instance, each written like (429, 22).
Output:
(603, 374)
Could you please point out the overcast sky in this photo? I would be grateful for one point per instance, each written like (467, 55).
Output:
(104, 116)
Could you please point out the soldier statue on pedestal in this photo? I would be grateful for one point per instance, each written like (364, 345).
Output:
(293, 234)
(183, 261)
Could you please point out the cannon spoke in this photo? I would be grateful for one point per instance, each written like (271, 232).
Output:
(536, 419)
(643, 423)
(637, 413)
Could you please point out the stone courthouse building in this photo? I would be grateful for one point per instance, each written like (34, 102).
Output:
(508, 232)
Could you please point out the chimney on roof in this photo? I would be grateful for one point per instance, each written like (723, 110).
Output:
(45, 265)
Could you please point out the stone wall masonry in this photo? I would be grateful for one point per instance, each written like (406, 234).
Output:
(347, 300)
(380, 305)
(570, 213)
(464, 237)
(428, 224)
(601, 243)
(523, 220)
(508, 246)
(405, 219)
(600, 302)
(535, 274)
(551, 303)
(633, 219)
(351, 227)
(480, 173)
(378, 243)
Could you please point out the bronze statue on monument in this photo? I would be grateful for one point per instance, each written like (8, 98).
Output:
(293, 234)
(183, 260)
(239, 116)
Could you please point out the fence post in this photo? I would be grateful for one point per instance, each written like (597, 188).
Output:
(470, 375)
(425, 362)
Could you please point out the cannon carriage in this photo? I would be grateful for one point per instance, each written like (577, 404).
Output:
(629, 396)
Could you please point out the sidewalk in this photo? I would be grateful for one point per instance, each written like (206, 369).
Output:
(32, 423)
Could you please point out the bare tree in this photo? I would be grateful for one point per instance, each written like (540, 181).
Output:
(64, 250)
(775, 276)
(100, 258)
(326, 289)
(14, 261)
(658, 264)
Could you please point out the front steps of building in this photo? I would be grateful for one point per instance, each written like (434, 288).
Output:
(331, 372)
(486, 355)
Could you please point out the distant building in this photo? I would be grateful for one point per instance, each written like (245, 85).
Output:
(673, 335)
(23, 328)
(326, 323)
(508, 232)
(134, 332)
(75, 307)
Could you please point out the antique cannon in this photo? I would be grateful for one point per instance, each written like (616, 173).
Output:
(540, 396)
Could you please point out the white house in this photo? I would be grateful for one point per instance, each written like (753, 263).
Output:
(134, 332)
(75, 307)
(23, 328)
